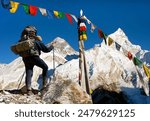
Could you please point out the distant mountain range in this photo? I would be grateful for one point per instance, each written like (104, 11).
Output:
(109, 69)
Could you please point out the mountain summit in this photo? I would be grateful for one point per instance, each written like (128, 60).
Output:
(112, 75)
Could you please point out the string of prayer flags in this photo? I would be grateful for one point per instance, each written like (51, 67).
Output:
(33, 10)
(137, 62)
(14, 6)
(126, 53)
(43, 11)
(69, 18)
(139, 65)
(146, 70)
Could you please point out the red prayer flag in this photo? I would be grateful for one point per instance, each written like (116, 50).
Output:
(33, 10)
(82, 28)
(69, 18)
(100, 33)
(129, 55)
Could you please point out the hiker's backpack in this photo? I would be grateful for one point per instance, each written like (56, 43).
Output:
(22, 46)
(26, 45)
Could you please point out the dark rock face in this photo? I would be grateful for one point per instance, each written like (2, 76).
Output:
(101, 96)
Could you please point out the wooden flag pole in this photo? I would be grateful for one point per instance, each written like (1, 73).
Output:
(81, 66)
(83, 72)
(54, 77)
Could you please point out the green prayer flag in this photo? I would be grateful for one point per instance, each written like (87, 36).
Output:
(61, 15)
(83, 32)
(26, 8)
(137, 61)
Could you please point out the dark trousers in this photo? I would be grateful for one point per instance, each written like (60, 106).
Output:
(30, 62)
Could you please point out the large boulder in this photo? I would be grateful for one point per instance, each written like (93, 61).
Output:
(63, 91)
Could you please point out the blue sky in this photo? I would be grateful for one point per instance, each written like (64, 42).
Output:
(132, 16)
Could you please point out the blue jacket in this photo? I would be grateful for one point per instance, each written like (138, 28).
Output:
(41, 47)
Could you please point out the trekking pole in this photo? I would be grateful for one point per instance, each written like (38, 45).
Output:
(21, 80)
(54, 63)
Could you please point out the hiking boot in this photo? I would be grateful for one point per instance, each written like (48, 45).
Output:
(45, 82)
(43, 91)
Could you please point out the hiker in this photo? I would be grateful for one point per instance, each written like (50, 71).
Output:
(32, 56)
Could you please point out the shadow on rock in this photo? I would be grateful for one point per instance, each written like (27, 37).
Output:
(101, 96)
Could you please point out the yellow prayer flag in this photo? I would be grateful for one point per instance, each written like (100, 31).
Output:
(84, 37)
(56, 13)
(81, 37)
(146, 70)
(14, 6)
(110, 41)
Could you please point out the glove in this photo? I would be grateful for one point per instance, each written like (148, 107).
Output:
(39, 38)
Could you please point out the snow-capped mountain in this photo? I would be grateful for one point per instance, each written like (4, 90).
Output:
(108, 68)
